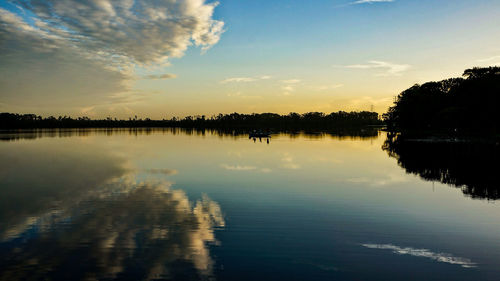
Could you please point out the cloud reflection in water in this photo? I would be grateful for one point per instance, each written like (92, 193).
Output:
(143, 231)
(439, 257)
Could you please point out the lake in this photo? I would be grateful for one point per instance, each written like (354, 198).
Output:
(155, 204)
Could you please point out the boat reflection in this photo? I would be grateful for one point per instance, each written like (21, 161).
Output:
(469, 165)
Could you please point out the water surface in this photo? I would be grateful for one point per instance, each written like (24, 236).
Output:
(193, 205)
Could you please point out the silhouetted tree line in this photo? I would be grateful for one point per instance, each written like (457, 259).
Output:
(469, 165)
(263, 121)
(468, 105)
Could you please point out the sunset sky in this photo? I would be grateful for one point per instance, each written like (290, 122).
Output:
(167, 58)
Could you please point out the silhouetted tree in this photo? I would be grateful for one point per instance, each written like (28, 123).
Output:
(458, 105)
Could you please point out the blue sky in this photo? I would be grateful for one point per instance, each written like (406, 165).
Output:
(277, 56)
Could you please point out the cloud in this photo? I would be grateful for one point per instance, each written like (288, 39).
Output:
(291, 81)
(245, 168)
(439, 257)
(167, 172)
(87, 109)
(329, 87)
(238, 80)
(238, 167)
(84, 170)
(287, 90)
(495, 60)
(489, 59)
(141, 31)
(370, 1)
(289, 86)
(160, 76)
(75, 54)
(235, 94)
(387, 180)
(245, 79)
(148, 229)
(41, 69)
(288, 162)
(238, 94)
(391, 69)
(323, 159)
(145, 227)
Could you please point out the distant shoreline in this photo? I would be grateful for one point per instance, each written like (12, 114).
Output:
(233, 121)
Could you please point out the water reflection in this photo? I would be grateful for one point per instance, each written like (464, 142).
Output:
(471, 166)
(150, 232)
(77, 217)
(101, 207)
(424, 253)
(342, 134)
(37, 181)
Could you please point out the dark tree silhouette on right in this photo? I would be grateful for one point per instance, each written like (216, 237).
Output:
(447, 131)
(470, 166)
(461, 106)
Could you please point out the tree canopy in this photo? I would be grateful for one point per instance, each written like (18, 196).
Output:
(462, 105)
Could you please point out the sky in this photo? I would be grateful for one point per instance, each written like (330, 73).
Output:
(165, 58)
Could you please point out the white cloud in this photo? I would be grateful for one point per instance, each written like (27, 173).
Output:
(238, 80)
(323, 159)
(238, 167)
(329, 87)
(439, 257)
(235, 94)
(370, 1)
(245, 79)
(291, 81)
(288, 162)
(160, 76)
(391, 69)
(179, 230)
(287, 90)
(245, 168)
(238, 94)
(492, 61)
(383, 181)
(289, 86)
(77, 54)
(141, 31)
(489, 59)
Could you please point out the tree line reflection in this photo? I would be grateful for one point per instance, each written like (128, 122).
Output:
(466, 164)
(339, 133)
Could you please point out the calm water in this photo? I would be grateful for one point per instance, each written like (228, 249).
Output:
(163, 204)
